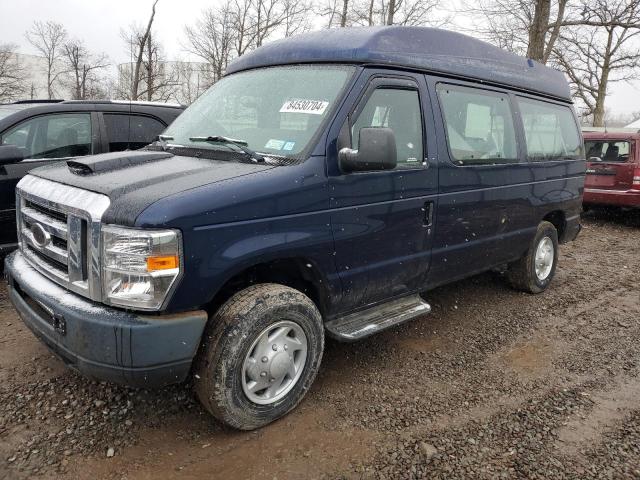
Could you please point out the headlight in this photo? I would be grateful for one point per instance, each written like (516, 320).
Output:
(139, 267)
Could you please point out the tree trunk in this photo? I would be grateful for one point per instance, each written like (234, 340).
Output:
(135, 82)
(78, 93)
(49, 82)
(258, 25)
(538, 30)
(150, 85)
(345, 9)
(371, 13)
(555, 31)
(391, 12)
(598, 111)
(85, 74)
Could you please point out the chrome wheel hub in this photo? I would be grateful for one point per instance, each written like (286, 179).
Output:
(274, 362)
(544, 258)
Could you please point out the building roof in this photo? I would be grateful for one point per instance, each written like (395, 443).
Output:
(635, 124)
(604, 133)
(426, 49)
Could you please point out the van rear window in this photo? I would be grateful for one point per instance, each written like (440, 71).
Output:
(550, 131)
(479, 126)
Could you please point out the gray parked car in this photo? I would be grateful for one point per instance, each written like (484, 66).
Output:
(36, 133)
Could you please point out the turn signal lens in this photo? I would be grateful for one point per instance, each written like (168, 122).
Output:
(162, 263)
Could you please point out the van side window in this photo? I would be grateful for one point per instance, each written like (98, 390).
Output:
(479, 126)
(398, 110)
(550, 131)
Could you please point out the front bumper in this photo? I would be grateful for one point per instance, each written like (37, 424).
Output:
(103, 342)
(620, 198)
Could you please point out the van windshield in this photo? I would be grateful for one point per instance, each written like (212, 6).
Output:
(274, 110)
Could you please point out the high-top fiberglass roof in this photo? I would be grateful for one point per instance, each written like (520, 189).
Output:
(425, 49)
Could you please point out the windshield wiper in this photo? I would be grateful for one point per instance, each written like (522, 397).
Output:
(241, 144)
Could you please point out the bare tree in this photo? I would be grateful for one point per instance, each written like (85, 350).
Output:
(82, 68)
(148, 76)
(214, 37)
(48, 39)
(384, 12)
(12, 75)
(601, 51)
(157, 79)
(296, 15)
(138, 43)
(525, 27)
(193, 79)
(238, 26)
(345, 12)
(337, 12)
(543, 31)
(269, 18)
(411, 12)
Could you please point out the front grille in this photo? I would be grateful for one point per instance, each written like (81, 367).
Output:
(59, 232)
(61, 216)
(55, 223)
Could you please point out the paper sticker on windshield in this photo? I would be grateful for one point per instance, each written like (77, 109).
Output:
(313, 107)
(274, 144)
(289, 146)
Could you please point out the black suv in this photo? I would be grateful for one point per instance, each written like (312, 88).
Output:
(47, 131)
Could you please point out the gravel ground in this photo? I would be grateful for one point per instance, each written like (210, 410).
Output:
(492, 384)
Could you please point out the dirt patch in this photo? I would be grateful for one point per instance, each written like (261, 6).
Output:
(532, 359)
(610, 407)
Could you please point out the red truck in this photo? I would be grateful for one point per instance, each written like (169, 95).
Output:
(613, 168)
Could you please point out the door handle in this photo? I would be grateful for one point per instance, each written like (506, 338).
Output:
(427, 210)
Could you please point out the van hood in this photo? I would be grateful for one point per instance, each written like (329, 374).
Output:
(135, 180)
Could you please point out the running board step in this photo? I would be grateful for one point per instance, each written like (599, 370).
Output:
(356, 326)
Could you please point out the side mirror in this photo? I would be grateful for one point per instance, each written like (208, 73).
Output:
(11, 154)
(595, 159)
(377, 152)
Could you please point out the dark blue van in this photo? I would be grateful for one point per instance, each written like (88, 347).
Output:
(321, 187)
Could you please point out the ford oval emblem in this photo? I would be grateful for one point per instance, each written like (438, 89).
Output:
(40, 236)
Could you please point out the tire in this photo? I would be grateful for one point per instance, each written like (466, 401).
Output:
(229, 355)
(522, 273)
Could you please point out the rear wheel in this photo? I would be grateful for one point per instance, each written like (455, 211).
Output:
(260, 355)
(534, 271)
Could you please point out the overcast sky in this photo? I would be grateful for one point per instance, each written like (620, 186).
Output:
(98, 23)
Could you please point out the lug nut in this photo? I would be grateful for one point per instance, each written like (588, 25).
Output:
(263, 374)
(286, 347)
(274, 347)
(265, 359)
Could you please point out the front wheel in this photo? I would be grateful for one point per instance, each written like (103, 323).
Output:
(534, 271)
(260, 355)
